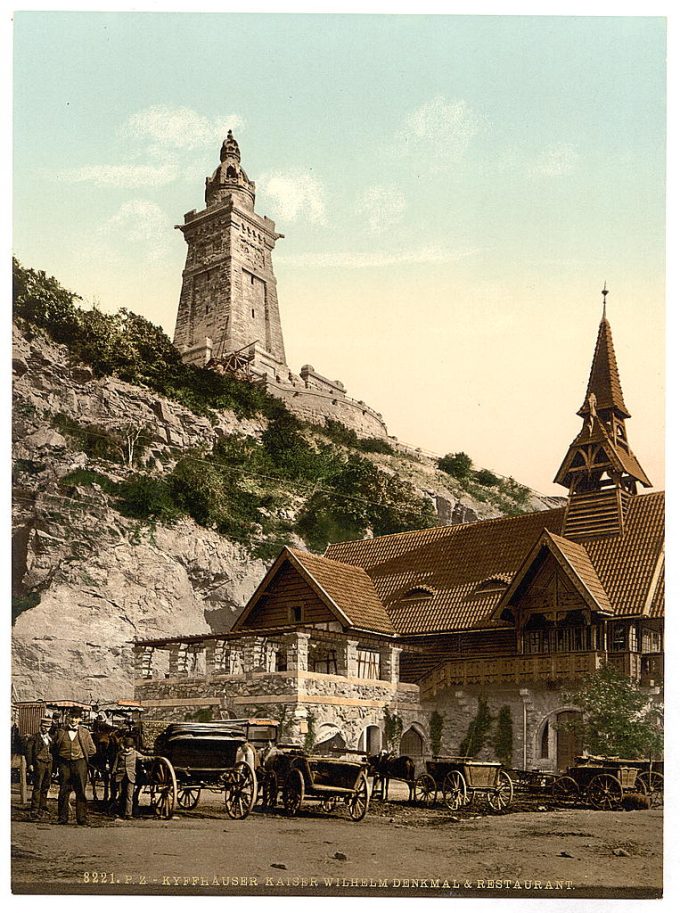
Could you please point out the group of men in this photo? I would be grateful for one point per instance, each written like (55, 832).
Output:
(69, 747)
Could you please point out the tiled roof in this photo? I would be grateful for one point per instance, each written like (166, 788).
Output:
(604, 379)
(454, 561)
(350, 588)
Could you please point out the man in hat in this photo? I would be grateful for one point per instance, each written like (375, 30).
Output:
(73, 746)
(125, 775)
(40, 761)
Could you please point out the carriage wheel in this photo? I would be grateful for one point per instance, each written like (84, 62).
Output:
(605, 792)
(270, 789)
(293, 792)
(358, 803)
(163, 788)
(454, 790)
(652, 781)
(565, 790)
(502, 795)
(240, 791)
(426, 790)
(188, 796)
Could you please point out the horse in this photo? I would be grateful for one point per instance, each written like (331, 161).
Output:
(386, 766)
(108, 741)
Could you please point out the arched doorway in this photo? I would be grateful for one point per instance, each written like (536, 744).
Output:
(412, 743)
(329, 739)
(370, 740)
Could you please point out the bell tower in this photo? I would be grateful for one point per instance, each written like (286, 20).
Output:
(600, 469)
(228, 301)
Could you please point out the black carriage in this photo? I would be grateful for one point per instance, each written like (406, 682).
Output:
(461, 780)
(602, 782)
(328, 781)
(192, 757)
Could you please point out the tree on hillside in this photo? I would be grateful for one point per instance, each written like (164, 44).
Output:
(458, 465)
(618, 720)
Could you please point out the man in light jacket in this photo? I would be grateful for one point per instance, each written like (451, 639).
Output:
(73, 747)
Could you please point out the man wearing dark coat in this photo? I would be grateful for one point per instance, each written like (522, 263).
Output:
(125, 775)
(40, 762)
(73, 746)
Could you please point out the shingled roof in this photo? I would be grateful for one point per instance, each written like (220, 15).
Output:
(604, 379)
(464, 566)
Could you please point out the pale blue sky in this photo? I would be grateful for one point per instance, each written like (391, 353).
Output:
(453, 191)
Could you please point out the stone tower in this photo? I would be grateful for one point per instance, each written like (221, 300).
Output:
(600, 469)
(228, 300)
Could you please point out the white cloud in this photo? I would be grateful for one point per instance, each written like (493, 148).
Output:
(180, 128)
(556, 159)
(384, 207)
(141, 223)
(295, 196)
(363, 259)
(130, 176)
(441, 129)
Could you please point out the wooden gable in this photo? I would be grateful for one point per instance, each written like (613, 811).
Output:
(550, 590)
(285, 592)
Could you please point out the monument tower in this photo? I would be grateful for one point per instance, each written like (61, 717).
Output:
(228, 301)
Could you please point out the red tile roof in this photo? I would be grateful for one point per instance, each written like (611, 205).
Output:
(456, 561)
(604, 379)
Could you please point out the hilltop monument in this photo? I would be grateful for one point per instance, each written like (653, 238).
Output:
(228, 316)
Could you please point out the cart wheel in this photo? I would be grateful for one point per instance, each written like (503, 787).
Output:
(501, 797)
(454, 790)
(565, 790)
(652, 781)
(605, 792)
(426, 790)
(358, 803)
(188, 796)
(293, 792)
(239, 790)
(162, 788)
(270, 789)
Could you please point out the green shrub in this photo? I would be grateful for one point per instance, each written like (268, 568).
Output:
(478, 731)
(436, 730)
(458, 465)
(503, 736)
(487, 478)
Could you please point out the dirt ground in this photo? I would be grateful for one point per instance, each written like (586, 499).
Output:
(531, 849)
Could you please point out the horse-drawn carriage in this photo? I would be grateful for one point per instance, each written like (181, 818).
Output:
(461, 780)
(328, 781)
(191, 757)
(602, 782)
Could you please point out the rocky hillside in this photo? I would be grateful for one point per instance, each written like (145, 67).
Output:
(124, 527)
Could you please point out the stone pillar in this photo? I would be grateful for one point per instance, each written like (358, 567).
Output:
(178, 660)
(352, 658)
(142, 658)
(389, 664)
(297, 652)
(210, 657)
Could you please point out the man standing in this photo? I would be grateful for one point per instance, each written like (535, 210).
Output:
(39, 758)
(73, 747)
(125, 775)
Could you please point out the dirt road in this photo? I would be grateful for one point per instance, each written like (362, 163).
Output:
(396, 850)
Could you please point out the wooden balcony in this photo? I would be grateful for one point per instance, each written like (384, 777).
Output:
(526, 669)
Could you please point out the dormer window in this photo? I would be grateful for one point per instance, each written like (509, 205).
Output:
(418, 592)
(491, 586)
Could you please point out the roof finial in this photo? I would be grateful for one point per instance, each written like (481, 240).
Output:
(605, 292)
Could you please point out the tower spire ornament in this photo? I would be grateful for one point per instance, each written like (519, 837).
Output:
(605, 292)
(600, 470)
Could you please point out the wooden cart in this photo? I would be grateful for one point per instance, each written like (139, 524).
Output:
(328, 781)
(192, 757)
(461, 780)
(601, 782)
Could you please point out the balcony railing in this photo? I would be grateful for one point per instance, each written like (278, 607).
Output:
(555, 667)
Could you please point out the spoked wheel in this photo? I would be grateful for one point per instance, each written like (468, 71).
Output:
(565, 790)
(652, 781)
(605, 792)
(188, 796)
(293, 792)
(240, 791)
(270, 789)
(454, 790)
(358, 803)
(426, 790)
(163, 788)
(501, 797)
